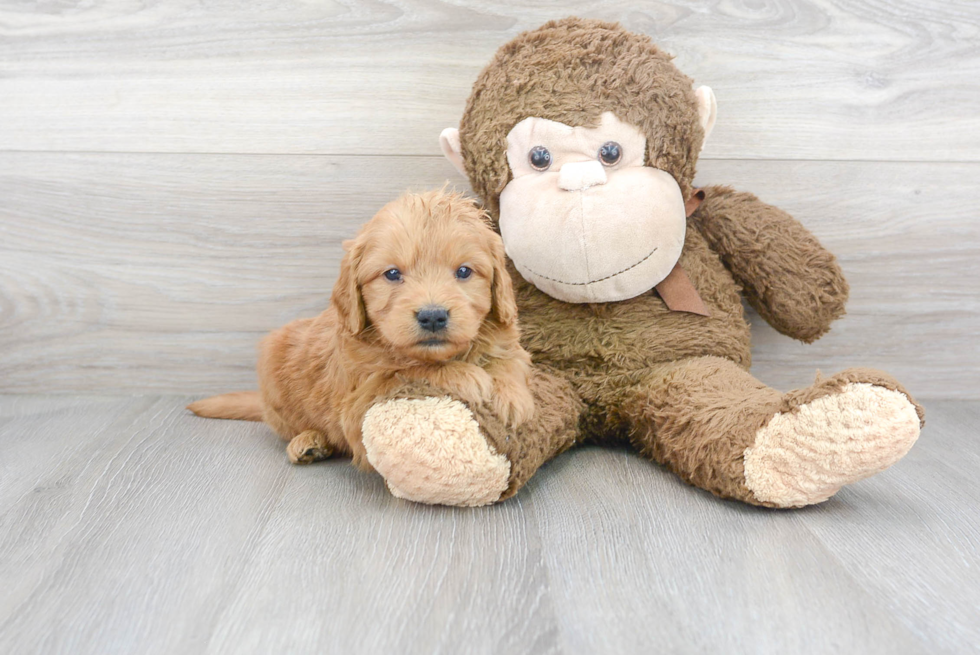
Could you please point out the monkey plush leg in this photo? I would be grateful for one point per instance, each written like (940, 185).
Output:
(719, 428)
(433, 448)
(308, 447)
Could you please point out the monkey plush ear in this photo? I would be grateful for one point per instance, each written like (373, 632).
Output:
(449, 140)
(707, 110)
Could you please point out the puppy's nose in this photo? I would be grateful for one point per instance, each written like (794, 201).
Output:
(433, 318)
(580, 175)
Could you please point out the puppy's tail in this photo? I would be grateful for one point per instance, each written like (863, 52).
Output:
(241, 405)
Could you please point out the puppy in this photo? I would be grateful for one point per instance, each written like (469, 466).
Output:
(423, 294)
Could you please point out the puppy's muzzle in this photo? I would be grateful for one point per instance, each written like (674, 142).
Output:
(433, 318)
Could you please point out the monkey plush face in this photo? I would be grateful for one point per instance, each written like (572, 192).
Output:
(582, 218)
(581, 138)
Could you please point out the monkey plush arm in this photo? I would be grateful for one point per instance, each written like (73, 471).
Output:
(788, 277)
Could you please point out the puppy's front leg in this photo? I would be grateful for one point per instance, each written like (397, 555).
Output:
(468, 381)
(308, 447)
(513, 401)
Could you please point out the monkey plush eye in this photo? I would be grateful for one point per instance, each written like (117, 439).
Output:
(393, 275)
(540, 158)
(610, 153)
(463, 272)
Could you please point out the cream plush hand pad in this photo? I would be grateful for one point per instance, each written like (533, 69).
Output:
(431, 450)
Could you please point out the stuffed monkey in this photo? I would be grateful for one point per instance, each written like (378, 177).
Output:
(581, 139)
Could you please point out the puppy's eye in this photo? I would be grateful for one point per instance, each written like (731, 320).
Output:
(539, 158)
(610, 153)
(393, 275)
(463, 272)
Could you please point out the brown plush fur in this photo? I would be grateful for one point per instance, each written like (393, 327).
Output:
(318, 376)
(673, 384)
(786, 275)
(698, 415)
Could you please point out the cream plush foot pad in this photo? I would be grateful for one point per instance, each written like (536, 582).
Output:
(431, 450)
(804, 457)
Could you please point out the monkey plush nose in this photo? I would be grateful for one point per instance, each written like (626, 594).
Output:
(580, 175)
(432, 318)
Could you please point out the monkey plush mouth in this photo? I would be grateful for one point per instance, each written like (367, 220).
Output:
(594, 245)
(601, 279)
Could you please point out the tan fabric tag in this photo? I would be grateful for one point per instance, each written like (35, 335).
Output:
(676, 289)
(679, 294)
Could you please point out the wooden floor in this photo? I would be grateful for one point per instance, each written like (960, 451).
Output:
(129, 526)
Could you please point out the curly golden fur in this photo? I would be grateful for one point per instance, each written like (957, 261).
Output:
(318, 376)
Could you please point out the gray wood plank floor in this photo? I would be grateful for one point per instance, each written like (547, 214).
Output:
(129, 526)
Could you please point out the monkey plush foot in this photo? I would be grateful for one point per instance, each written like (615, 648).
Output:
(432, 450)
(806, 455)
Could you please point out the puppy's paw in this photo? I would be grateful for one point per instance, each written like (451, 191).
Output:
(468, 381)
(513, 402)
(432, 450)
(308, 447)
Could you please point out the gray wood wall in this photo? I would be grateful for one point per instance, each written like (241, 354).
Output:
(176, 177)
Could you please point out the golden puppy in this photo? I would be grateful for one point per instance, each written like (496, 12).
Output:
(423, 293)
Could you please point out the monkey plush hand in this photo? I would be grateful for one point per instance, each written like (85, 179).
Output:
(582, 139)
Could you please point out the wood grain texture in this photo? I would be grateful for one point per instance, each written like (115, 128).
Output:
(886, 566)
(123, 272)
(904, 521)
(129, 526)
(672, 571)
(795, 79)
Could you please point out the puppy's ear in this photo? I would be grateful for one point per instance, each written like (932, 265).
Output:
(504, 306)
(346, 297)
